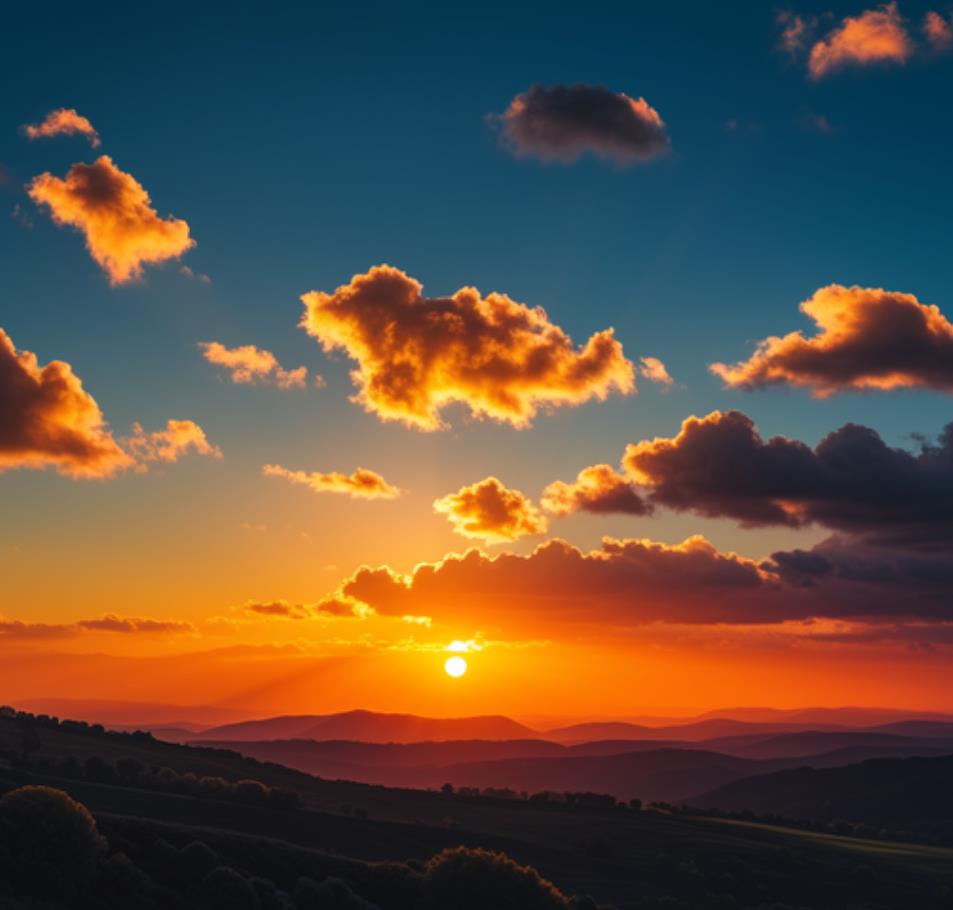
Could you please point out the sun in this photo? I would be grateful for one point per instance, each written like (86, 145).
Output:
(455, 666)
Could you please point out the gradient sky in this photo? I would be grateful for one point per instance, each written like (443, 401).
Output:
(305, 146)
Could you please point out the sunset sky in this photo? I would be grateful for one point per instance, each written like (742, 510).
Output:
(614, 347)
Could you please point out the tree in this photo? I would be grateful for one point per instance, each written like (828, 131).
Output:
(49, 844)
(474, 879)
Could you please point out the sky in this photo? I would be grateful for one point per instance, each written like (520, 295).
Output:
(295, 426)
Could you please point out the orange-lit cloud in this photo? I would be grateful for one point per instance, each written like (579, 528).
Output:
(248, 364)
(938, 31)
(623, 582)
(177, 439)
(362, 484)
(794, 31)
(339, 605)
(123, 231)
(49, 420)
(63, 122)
(652, 369)
(563, 122)
(416, 355)
(875, 36)
(599, 489)
(868, 338)
(110, 622)
(490, 512)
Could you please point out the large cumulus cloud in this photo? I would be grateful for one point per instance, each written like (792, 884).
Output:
(416, 355)
(867, 338)
(47, 419)
(852, 481)
(563, 122)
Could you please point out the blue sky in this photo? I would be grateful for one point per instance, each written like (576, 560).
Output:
(306, 145)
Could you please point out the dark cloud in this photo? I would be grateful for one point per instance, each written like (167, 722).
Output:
(563, 122)
(852, 481)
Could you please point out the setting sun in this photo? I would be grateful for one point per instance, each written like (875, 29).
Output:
(455, 666)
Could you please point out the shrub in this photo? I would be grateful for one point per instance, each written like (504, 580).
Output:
(49, 843)
(473, 879)
(225, 889)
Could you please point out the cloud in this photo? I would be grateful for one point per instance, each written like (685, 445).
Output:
(875, 36)
(63, 122)
(338, 605)
(416, 355)
(634, 582)
(177, 439)
(362, 484)
(564, 122)
(135, 625)
(49, 420)
(490, 512)
(194, 276)
(852, 481)
(249, 364)
(652, 369)
(624, 582)
(599, 489)
(938, 31)
(868, 338)
(795, 30)
(110, 622)
(123, 231)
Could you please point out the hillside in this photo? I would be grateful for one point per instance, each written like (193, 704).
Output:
(891, 792)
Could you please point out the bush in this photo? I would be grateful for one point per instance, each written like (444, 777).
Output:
(225, 889)
(331, 894)
(468, 879)
(49, 844)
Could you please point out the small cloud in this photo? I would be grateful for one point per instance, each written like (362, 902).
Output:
(564, 122)
(362, 484)
(168, 445)
(63, 122)
(194, 276)
(938, 32)
(249, 364)
(599, 489)
(654, 370)
(875, 36)
(490, 512)
(249, 526)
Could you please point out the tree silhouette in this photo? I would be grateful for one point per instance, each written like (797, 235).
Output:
(49, 844)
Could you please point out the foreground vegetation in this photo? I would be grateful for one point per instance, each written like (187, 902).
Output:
(633, 860)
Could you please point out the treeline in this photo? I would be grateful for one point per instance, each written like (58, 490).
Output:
(545, 798)
(129, 771)
(54, 857)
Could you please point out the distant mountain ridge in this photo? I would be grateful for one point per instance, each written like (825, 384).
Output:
(373, 727)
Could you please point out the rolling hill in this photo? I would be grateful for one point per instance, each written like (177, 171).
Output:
(372, 727)
(888, 791)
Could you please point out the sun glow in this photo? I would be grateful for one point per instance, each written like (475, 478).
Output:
(455, 666)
